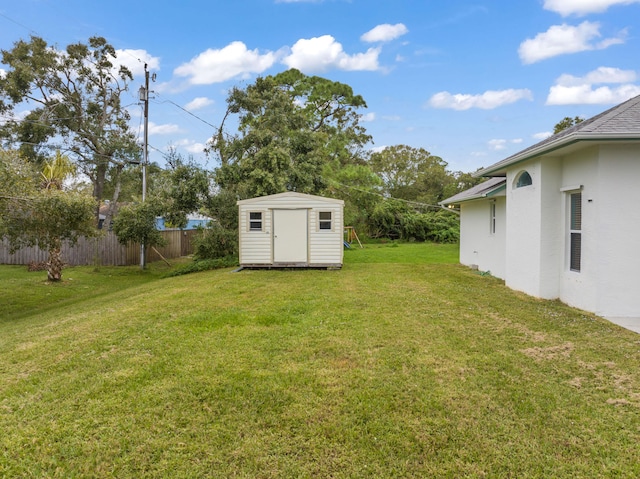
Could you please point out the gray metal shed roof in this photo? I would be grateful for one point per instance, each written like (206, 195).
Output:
(622, 122)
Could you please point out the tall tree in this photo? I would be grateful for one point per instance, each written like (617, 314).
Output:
(36, 210)
(566, 122)
(289, 126)
(411, 174)
(181, 189)
(74, 98)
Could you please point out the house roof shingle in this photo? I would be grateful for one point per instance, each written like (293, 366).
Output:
(622, 122)
(492, 185)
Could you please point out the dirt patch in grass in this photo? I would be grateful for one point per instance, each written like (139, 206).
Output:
(501, 323)
(562, 351)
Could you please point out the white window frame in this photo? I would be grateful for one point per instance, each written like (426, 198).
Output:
(575, 231)
(252, 220)
(492, 217)
(519, 180)
(322, 221)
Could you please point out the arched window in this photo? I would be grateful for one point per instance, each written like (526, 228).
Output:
(523, 180)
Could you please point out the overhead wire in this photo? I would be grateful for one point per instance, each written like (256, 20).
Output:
(411, 202)
(31, 30)
(188, 112)
(58, 147)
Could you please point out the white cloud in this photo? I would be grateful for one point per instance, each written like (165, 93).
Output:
(384, 33)
(367, 117)
(134, 60)
(3, 73)
(542, 135)
(198, 103)
(191, 146)
(500, 144)
(599, 75)
(195, 148)
(486, 101)
(216, 66)
(321, 53)
(166, 129)
(583, 7)
(586, 94)
(564, 39)
(572, 90)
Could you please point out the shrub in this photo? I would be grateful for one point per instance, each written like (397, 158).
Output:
(444, 227)
(397, 220)
(215, 242)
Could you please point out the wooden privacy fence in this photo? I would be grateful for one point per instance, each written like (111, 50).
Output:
(104, 250)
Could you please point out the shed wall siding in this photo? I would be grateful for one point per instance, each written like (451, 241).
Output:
(326, 247)
(254, 246)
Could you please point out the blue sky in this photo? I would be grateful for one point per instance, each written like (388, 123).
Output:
(471, 81)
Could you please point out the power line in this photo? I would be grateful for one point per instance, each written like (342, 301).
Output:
(188, 112)
(425, 205)
(30, 30)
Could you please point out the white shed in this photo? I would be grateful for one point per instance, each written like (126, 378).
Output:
(291, 230)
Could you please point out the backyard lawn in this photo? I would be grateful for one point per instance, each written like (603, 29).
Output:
(401, 364)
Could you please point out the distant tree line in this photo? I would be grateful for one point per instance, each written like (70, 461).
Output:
(294, 133)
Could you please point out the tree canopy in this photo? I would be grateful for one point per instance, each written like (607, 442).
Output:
(182, 188)
(411, 173)
(566, 122)
(36, 210)
(289, 127)
(74, 100)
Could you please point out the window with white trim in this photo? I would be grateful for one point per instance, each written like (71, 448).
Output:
(255, 220)
(575, 231)
(325, 220)
(524, 180)
(492, 217)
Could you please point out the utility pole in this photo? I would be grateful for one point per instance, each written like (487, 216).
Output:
(144, 97)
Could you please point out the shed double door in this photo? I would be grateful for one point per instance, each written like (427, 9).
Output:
(290, 236)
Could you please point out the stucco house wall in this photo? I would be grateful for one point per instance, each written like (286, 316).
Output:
(616, 257)
(523, 249)
(600, 158)
(480, 244)
(580, 173)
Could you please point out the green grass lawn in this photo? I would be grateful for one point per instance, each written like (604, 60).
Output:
(402, 364)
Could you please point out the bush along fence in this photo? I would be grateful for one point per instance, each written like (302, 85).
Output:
(104, 250)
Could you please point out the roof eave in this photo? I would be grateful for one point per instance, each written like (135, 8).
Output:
(499, 169)
(485, 194)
